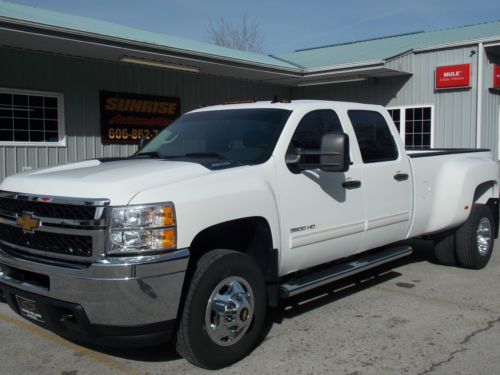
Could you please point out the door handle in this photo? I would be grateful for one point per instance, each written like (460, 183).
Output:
(351, 184)
(401, 177)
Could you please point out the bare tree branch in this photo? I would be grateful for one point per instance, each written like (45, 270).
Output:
(245, 36)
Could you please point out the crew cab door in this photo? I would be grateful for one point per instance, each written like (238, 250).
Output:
(386, 178)
(321, 213)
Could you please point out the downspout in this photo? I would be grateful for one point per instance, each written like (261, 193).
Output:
(479, 104)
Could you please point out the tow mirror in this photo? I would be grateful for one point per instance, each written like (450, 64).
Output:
(333, 154)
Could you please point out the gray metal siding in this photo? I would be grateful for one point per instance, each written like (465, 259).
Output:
(80, 80)
(491, 106)
(454, 110)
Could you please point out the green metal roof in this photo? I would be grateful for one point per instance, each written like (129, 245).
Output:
(108, 29)
(384, 48)
(309, 59)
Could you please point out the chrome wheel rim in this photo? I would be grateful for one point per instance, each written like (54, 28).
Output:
(483, 236)
(229, 311)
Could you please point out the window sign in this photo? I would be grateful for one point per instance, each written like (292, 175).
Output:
(452, 76)
(126, 118)
(496, 76)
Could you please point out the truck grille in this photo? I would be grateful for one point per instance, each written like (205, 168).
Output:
(46, 241)
(70, 229)
(52, 210)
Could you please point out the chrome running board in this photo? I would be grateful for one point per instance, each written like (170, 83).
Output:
(339, 271)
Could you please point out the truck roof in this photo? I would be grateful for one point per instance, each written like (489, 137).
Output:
(291, 105)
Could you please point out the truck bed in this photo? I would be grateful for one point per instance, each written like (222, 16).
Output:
(442, 178)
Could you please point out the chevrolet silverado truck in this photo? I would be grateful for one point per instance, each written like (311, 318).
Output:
(225, 212)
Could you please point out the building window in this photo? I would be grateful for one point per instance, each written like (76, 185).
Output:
(31, 117)
(415, 124)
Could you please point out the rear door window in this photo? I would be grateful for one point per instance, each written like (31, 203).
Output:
(374, 137)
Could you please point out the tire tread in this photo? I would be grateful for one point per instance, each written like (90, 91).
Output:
(182, 344)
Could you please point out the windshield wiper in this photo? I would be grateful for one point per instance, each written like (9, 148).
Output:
(211, 155)
(204, 155)
(151, 154)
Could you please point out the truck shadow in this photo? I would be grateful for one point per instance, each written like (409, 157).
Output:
(295, 306)
(423, 251)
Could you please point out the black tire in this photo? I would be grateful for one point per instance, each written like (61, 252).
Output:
(444, 248)
(469, 252)
(193, 340)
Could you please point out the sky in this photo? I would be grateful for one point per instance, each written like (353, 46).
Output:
(286, 25)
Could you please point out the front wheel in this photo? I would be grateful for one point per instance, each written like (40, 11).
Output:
(474, 239)
(224, 310)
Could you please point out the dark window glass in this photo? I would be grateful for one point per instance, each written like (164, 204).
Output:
(311, 129)
(396, 117)
(36, 137)
(28, 117)
(5, 112)
(418, 113)
(417, 127)
(409, 127)
(36, 125)
(51, 137)
(20, 100)
(6, 123)
(21, 124)
(5, 99)
(50, 102)
(51, 114)
(36, 113)
(427, 113)
(427, 127)
(417, 140)
(21, 136)
(418, 123)
(51, 125)
(426, 140)
(20, 113)
(409, 114)
(36, 101)
(6, 135)
(374, 137)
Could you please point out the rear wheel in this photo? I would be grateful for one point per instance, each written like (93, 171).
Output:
(224, 310)
(474, 239)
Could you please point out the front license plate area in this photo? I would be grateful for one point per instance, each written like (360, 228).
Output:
(29, 309)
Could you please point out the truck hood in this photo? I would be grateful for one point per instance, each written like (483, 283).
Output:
(118, 180)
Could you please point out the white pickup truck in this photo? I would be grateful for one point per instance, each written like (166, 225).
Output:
(226, 211)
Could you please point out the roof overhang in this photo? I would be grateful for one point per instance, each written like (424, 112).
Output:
(27, 35)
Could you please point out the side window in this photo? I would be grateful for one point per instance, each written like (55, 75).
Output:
(374, 137)
(310, 130)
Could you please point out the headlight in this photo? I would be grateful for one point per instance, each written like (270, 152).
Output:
(142, 229)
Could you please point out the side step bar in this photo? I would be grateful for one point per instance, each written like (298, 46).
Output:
(340, 271)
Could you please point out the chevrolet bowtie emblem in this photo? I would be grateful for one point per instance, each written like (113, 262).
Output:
(27, 222)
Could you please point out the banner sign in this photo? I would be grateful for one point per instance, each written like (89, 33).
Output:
(126, 118)
(496, 76)
(452, 76)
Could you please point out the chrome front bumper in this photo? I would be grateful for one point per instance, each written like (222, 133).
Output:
(137, 293)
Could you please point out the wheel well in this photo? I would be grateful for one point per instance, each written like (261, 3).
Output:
(481, 194)
(251, 235)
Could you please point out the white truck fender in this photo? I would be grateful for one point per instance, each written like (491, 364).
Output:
(455, 189)
(213, 200)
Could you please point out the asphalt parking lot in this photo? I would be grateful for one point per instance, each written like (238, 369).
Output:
(412, 317)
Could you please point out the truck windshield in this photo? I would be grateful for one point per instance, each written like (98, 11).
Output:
(243, 136)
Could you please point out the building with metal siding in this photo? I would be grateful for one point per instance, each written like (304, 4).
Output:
(72, 59)
(80, 81)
